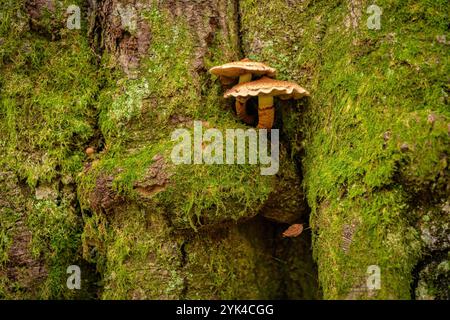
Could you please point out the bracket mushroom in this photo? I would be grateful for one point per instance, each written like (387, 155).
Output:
(244, 70)
(265, 89)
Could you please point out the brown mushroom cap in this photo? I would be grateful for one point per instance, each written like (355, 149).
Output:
(238, 68)
(90, 151)
(266, 86)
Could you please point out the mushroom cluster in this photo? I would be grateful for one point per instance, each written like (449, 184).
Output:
(265, 88)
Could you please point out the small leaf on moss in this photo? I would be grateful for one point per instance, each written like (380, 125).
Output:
(293, 231)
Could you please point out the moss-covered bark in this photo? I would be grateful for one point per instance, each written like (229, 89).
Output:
(370, 147)
(121, 85)
(171, 231)
(48, 82)
(374, 137)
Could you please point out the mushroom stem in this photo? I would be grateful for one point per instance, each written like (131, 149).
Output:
(241, 109)
(246, 77)
(266, 112)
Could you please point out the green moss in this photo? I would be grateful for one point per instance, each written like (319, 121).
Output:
(48, 84)
(146, 246)
(39, 240)
(376, 124)
(9, 217)
(47, 92)
(372, 138)
(141, 257)
(55, 238)
(136, 118)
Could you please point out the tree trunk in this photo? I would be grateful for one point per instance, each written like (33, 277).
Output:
(151, 229)
(87, 118)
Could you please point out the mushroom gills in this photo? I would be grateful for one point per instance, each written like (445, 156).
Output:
(226, 81)
(266, 112)
(266, 89)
